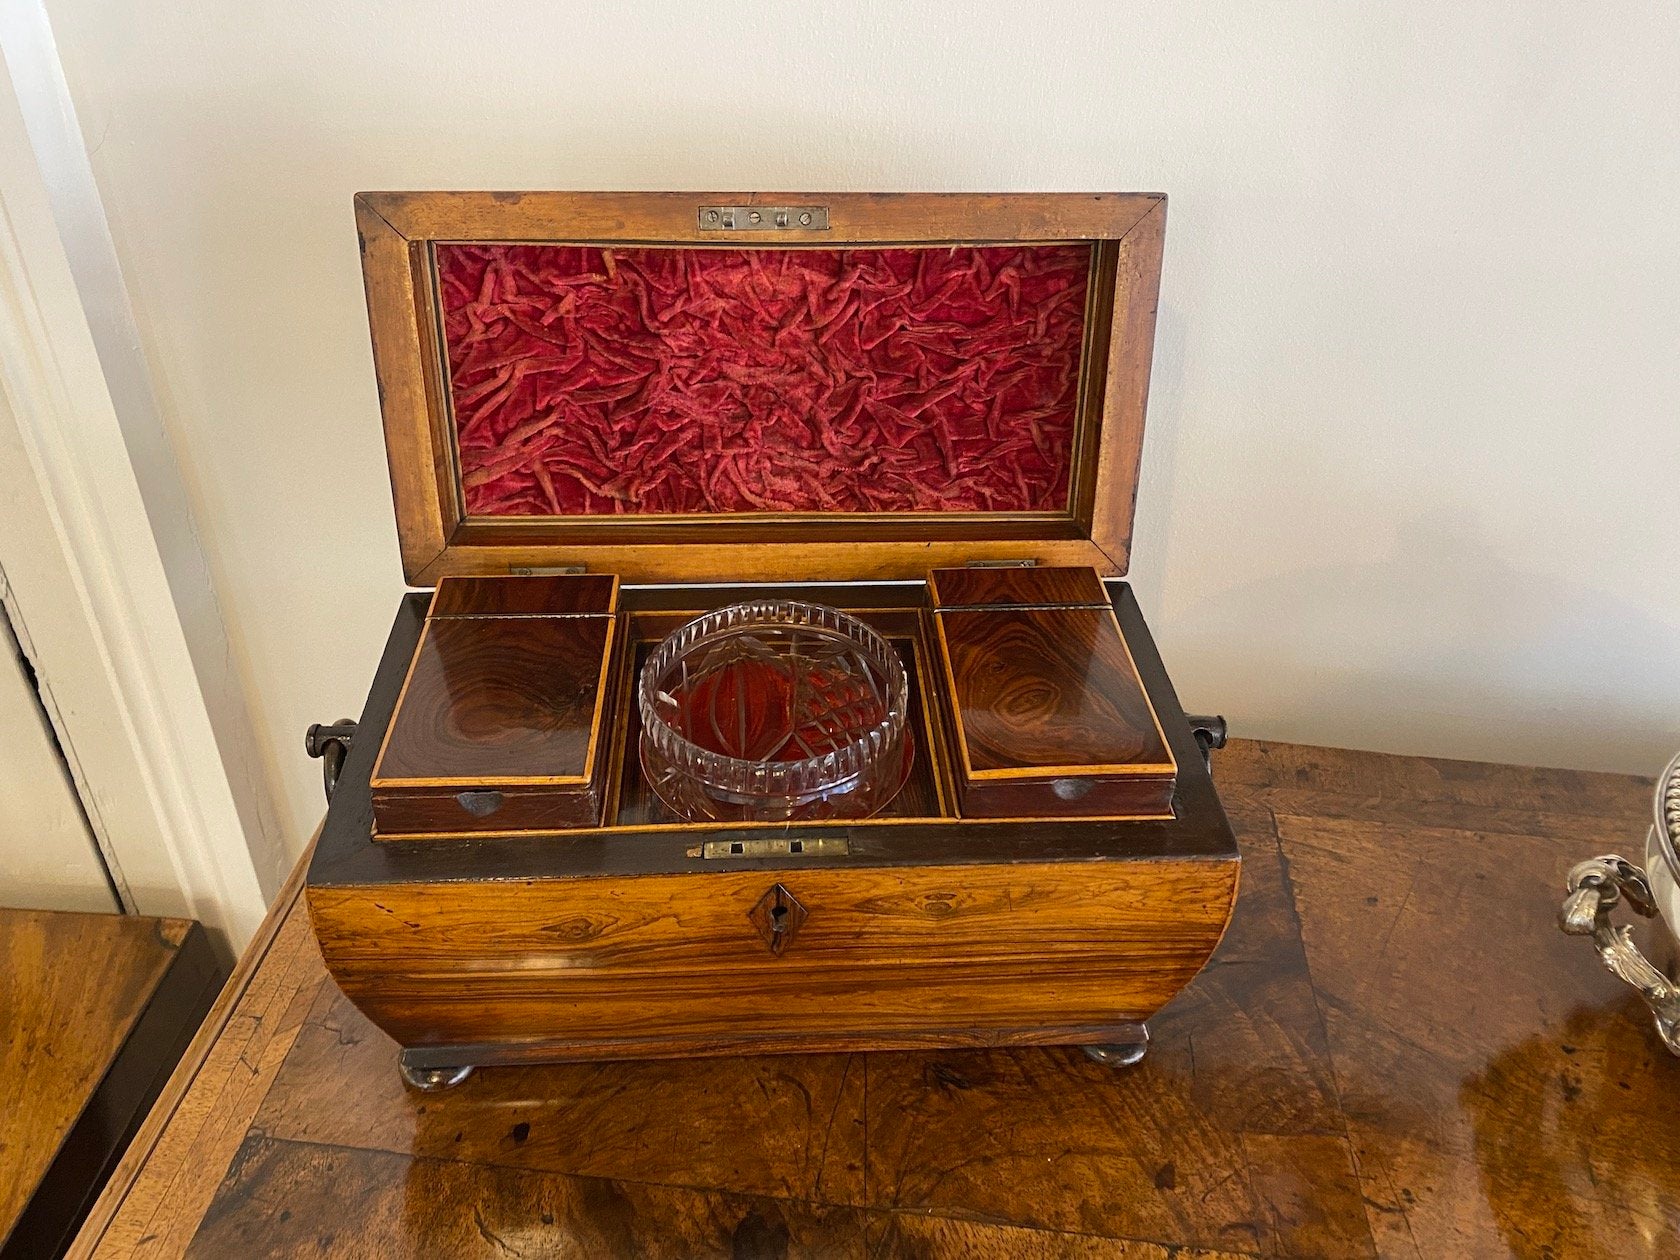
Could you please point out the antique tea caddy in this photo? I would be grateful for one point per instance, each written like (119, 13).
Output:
(609, 414)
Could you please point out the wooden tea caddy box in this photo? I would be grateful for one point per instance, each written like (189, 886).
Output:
(606, 413)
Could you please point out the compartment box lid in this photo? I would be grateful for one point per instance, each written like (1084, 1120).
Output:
(1049, 713)
(624, 381)
(501, 724)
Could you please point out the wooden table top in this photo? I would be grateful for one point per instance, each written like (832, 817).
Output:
(94, 1010)
(1394, 1052)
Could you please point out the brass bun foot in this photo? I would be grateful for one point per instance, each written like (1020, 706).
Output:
(430, 1079)
(1128, 1047)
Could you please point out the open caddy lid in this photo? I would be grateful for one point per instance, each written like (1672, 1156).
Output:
(742, 387)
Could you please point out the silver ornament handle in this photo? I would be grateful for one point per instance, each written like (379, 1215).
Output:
(1595, 886)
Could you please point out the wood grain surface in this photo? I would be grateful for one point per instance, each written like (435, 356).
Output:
(1043, 691)
(982, 954)
(543, 594)
(1045, 707)
(1394, 1052)
(1038, 585)
(94, 1010)
(499, 700)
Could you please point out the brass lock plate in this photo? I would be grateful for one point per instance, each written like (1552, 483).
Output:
(780, 846)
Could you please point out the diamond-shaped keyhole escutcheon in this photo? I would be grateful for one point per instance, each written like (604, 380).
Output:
(777, 916)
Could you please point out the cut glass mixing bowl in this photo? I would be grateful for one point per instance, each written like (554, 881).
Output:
(775, 710)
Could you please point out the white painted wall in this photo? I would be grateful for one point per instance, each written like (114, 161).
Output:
(1415, 436)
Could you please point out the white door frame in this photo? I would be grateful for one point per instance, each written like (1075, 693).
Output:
(89, 593)
(59, 866)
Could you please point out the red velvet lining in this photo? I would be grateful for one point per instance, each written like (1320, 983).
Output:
(610, 381)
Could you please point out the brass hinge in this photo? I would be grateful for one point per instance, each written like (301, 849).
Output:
(763, 218)
(1001, 564)
(547, 570)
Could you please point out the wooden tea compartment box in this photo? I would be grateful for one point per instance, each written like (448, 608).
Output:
(643, 939)
(1048, 716)
(728, 396)
(502, 721)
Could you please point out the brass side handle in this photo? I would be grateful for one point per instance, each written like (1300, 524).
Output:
(1594, 888)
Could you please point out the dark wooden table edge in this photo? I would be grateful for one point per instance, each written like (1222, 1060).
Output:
(150, 1130)
(120, 1102)
(117, 1106)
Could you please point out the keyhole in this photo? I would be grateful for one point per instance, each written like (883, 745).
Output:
(777, 917)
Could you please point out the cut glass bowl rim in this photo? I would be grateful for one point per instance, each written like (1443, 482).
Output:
(823, 773)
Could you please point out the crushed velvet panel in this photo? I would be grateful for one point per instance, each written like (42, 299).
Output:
(606, 381)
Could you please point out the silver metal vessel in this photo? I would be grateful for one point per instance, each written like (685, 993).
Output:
(1597, 885)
